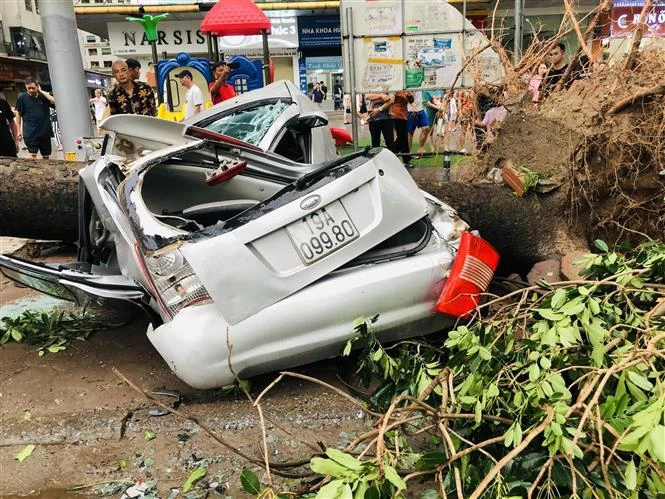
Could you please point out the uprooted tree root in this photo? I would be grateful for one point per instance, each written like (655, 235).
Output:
(604, 139)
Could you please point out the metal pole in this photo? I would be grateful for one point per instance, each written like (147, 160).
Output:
(266, 58)
(155, 58)
(352, 78)
(67, 76)
(209, 37)
(215, 47)
(517, 50)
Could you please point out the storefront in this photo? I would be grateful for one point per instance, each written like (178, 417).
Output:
(13, 72)
(320, 42)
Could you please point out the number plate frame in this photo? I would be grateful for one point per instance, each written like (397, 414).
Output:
(302, 231)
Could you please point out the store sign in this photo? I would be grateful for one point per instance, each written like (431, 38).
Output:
(283, 35)
(330, 63)
(15, 71)
(128, 38)
(626, 16)
(319, 32)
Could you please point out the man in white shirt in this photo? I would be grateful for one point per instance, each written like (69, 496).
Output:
(99, 101)
(194, 97)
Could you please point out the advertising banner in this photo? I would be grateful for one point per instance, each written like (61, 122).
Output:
(319, 32)
(626, 16)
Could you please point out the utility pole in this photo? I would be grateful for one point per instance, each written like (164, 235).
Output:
(67, 75)
(519, 30)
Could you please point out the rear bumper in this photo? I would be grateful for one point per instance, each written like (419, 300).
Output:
(310, 325)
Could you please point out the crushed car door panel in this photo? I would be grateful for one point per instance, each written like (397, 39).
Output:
(280, 252)
(83, 288)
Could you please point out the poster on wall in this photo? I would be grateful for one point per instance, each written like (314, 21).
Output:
(485, 64)
(382, 64)
(375, 17)
(432, 61)
(431, 16)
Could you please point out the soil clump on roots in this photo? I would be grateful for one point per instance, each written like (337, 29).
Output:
(603, 139)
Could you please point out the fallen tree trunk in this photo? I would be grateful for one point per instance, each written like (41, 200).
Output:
(39, 198)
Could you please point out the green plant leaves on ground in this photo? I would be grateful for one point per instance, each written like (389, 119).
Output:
(25, 453)
(194, 477)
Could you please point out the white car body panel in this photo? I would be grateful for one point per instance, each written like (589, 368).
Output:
(311, 324)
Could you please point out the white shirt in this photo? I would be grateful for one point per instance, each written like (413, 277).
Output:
(100, 107)
(417, 105)
(193, 98)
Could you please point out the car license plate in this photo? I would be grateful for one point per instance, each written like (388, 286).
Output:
(322, 232)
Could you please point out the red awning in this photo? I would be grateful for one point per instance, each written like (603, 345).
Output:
(235, 17)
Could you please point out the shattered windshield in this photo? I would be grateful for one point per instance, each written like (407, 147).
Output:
(249, 124)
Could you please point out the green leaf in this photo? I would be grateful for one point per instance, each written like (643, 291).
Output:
(344, 459)
(559, 298)
(122, 463)
(657, 447)
(194, 478)
(549, 314)
(484, 353)
(250, 482)
(376, 356)
(598, 355)
(25, 453)
(394, 478)
(328, 467)
(534, 372)
(545, 363)
(149, 435)
(430, 460)
(347, 348)
(640, 381)
(16, 334)
(429, 494)
(631, 476)
(336, 489)
(492, 390)
(596, 332)
(601, 245)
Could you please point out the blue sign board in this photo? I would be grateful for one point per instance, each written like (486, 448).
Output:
(319, 32)
(328, 63)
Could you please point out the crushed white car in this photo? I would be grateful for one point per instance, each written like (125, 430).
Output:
(245, 252)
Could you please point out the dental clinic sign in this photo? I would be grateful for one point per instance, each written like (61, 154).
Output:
(128, 38)
(626, 16)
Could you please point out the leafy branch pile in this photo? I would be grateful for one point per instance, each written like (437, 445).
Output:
(559, 393)
(49, 331)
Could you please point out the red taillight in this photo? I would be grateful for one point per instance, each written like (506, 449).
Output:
(470, 276)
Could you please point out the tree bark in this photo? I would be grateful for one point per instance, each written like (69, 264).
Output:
(39, 198)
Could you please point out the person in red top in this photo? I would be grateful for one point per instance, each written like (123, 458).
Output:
(220, 89)
(400, 116)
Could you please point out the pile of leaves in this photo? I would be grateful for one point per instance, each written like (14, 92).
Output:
(49, 331)
(559, 392)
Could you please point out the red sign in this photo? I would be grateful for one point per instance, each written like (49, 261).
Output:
(626, 17)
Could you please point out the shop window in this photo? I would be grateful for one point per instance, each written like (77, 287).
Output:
(106, 50)
(90, 38)
(37, 6)
(28, 5)
(92, 51)
(108, 64)
(94, 64)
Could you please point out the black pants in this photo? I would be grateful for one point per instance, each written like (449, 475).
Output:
(402, 142)
(385, 127)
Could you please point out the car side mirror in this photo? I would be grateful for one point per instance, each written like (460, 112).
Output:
(313, 119)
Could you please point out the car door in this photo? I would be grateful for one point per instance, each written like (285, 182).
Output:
(313, 226)
(69, 283)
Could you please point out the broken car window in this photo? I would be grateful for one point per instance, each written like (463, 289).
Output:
(249, 124)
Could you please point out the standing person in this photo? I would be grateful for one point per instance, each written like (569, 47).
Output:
(536, 83)
(194, 97)
(221, 89)
(557, 68)
(317, 94)
(432, 103)
(134, 67)
(347, 109)
(361, 104)
(379, 120)
(99, 103)
(55, 126)
(324, 89)
(400, 116)
(129, 96)
(8, 130)
(34, 119)
(418, 119)
(467, 118)
(338, 95)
